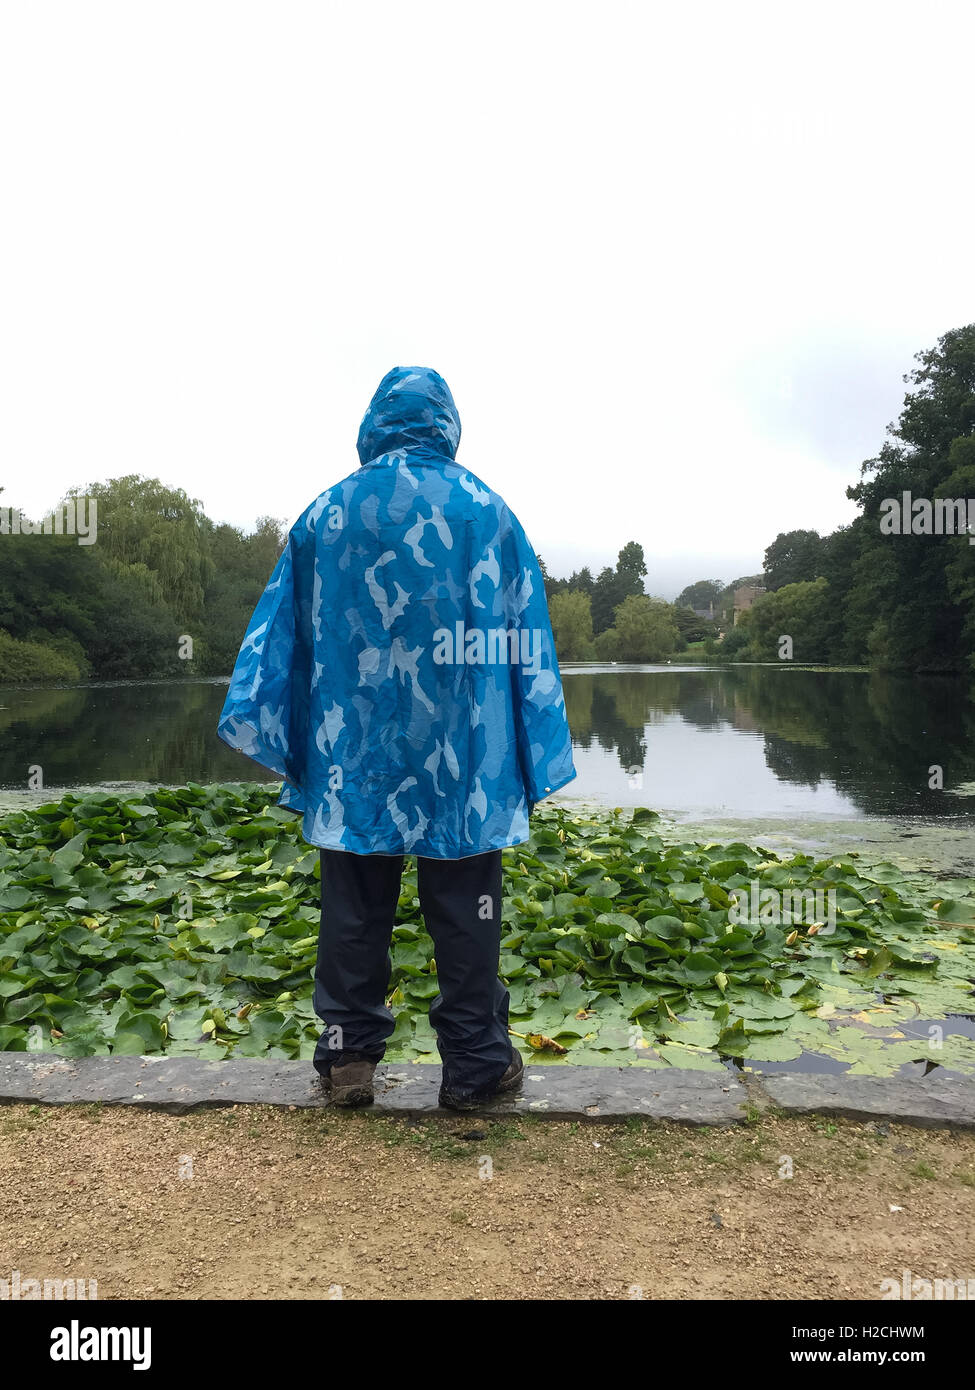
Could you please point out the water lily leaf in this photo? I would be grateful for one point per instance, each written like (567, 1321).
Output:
(693, 1032)
(666, 926)
(686, 892)
(13, 898)
(960, 910)
(221, 935)
(26, 1006)
(620, 921)
(688, 1058)
(637, 1001)
(147, 1027)
(700, 967)
(608, 927)
(17, 982)
(753, 1003)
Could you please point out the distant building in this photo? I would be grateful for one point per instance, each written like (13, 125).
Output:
(705, 612)
(745, 597)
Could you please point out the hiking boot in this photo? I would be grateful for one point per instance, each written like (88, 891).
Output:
(349, 1082)
(471, 1100)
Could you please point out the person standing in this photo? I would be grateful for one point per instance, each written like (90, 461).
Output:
(399, 673)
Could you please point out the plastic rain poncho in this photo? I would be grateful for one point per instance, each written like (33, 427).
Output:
(399, 671)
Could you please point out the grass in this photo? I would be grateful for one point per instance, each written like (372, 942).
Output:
(635, 1148)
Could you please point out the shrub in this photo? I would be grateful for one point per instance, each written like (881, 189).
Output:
(34, 661)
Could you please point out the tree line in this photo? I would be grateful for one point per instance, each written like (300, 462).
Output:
(168, 592)
(893, 596)
(889, 590)
(611, 617)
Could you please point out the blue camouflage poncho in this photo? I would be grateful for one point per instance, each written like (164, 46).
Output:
(399, 670)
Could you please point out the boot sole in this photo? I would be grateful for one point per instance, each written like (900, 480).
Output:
(353, 1097)
(502, 1089)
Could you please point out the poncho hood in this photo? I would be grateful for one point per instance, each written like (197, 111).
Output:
(411, 409)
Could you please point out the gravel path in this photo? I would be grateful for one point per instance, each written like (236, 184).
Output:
(262, 1203)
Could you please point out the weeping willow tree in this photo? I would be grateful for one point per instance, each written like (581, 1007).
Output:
(160, 535)
(160, 571)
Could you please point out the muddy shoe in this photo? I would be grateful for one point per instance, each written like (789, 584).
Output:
(472, 1100)
(350, 1082)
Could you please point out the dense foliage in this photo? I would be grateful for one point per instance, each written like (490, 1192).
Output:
(160, 572)
(185, 921)
(896, 601)
(612, 619)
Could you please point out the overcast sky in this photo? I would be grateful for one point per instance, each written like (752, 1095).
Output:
(672, 260)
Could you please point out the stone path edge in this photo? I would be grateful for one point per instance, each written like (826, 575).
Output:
(183, 1084)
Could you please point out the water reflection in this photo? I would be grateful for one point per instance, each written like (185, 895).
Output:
(735, 741)
(117, 731)
(774, 741)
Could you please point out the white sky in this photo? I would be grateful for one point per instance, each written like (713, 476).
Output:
(672, 260)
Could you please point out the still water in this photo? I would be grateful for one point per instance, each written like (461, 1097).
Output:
(692, 741)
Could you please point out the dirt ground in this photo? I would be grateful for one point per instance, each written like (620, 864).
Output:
(263, 1203)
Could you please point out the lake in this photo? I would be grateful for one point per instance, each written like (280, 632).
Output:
(708, 745)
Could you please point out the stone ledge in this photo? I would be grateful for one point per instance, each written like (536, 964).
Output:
(934, 1100)
(181, 1084)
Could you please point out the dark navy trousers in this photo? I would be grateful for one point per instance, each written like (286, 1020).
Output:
(461, 904)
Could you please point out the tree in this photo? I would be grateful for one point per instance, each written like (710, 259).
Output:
(701, 594)
(792, 557)
(691, 627)
(631, 566)
(605, 599)
(646, 628)
(242, 566)
(34, 661)
(571, 617)
(607, 645)
(903, 606)
(735, 641)
(797, 611)
(582, 582)
(143, 522)
(135, 636)
(960, 565)
(613, 586)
